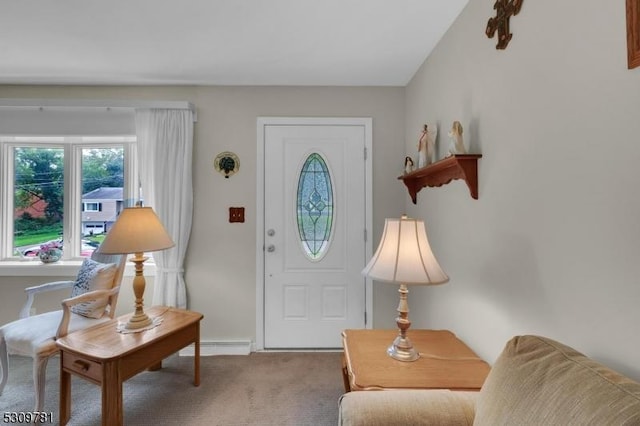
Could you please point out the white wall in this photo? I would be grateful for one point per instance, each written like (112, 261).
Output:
(220, 266)
(552, 245)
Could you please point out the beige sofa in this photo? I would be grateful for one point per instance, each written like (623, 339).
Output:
(535, 381)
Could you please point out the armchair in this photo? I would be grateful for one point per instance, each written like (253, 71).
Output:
(35, 335)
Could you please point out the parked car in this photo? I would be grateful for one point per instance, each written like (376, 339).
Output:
(31, 251)
(87, 248)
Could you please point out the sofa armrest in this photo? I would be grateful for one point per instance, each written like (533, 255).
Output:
(407, 407)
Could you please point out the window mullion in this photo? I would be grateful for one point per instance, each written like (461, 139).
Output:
(72, 199)
(6, 200)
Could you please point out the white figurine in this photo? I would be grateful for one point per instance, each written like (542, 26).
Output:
(408, 164)
(456, 144)
(427, 145)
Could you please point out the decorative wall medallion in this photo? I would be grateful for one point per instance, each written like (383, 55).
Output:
(504, 10)
(227, 163)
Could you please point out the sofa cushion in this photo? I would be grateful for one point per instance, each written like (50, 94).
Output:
(538, 381)
(407, 407)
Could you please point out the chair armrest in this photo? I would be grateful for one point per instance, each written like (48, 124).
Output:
(32, 291)
(63, 328)
(407, 407)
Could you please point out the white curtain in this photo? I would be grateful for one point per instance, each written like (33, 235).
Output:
(165, 146)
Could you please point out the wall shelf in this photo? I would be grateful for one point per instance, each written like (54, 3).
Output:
(462, 166)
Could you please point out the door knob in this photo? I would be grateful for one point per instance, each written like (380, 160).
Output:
(271, 248)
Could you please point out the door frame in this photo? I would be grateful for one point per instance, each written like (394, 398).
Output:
(262, 123)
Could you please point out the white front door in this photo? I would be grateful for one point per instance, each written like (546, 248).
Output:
(316, 205)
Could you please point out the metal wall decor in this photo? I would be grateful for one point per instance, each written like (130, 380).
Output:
(227, 163)
(500, 23)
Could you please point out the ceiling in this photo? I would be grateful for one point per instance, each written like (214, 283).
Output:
(220, 42)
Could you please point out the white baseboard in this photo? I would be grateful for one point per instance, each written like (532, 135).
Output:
(220, 347)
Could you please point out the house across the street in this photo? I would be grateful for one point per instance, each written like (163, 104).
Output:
(100, 208)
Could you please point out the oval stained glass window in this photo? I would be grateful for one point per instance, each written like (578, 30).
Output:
(314, 206)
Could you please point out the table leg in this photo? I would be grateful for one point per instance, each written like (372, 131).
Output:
(65, 395)
(345, 375)
(155, 367)
(111, 395)
(196, 358)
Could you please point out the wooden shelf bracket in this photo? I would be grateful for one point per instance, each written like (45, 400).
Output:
(460, 166)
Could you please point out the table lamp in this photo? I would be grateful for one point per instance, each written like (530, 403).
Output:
(137, 230)
(404, 257)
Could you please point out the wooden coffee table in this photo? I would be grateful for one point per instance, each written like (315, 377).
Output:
(445, 362)
(104, 356)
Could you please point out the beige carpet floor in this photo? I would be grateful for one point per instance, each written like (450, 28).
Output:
(277, 388)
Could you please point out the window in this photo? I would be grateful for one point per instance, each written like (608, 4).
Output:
(92, 207)
(314, 207)
(65, 189)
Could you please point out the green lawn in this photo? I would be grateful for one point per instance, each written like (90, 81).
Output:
(32, 238)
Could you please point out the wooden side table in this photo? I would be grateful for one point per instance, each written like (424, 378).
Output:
(445, 362)
(104, 356)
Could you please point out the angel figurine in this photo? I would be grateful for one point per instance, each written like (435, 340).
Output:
(408, 164)
(427, 145)
(456, 144)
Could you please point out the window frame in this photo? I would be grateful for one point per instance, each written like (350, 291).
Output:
(72, 204)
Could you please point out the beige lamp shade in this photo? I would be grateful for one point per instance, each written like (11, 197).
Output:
(404, 255)
(137, 230)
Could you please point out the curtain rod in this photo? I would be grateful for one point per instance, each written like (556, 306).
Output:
(93, 103)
